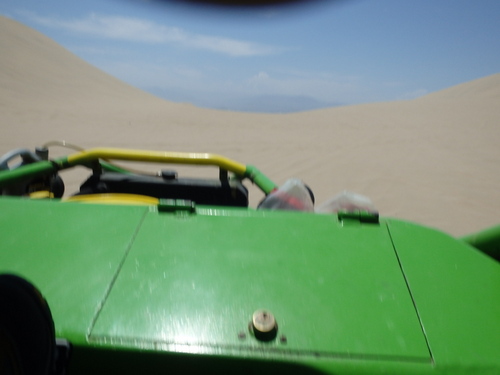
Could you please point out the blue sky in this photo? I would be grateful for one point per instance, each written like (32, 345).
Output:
(277, 60)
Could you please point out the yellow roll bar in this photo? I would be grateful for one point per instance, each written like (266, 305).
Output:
(47, 168)
(158, 157)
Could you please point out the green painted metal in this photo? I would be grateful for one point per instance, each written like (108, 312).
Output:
(26, 172)
(456, 290)
(195, 280)
(71, 251)
(261, 180)
(172, 288)
(358, 217)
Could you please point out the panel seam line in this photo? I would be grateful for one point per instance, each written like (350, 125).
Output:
(115, 276)
(411, 294)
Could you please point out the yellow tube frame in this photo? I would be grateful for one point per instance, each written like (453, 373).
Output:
(158, 157)
(45, 168)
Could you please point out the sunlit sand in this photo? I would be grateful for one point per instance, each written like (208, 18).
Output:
(434, 160)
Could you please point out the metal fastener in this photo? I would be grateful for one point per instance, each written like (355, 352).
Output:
(264, 325)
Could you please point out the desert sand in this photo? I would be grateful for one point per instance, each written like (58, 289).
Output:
(433, 160)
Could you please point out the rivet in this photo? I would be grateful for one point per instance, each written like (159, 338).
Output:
(264, 325)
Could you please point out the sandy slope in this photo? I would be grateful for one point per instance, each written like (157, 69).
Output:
(434, 160)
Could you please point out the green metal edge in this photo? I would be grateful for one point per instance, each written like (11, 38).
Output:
(456, 292)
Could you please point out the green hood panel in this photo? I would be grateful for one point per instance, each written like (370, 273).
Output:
(456, 290)
(130, 279)
(71, 251)
(191, 282)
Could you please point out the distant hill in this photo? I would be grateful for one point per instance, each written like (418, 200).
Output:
(275, 103)
(244, 103)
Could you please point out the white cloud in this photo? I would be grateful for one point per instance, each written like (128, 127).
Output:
(258, 78)
(139, 30)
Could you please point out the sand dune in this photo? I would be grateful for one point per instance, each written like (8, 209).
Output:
(434, 160)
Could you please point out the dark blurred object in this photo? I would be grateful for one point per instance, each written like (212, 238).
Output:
(248, 3)
(241, 7)
(27, 338)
